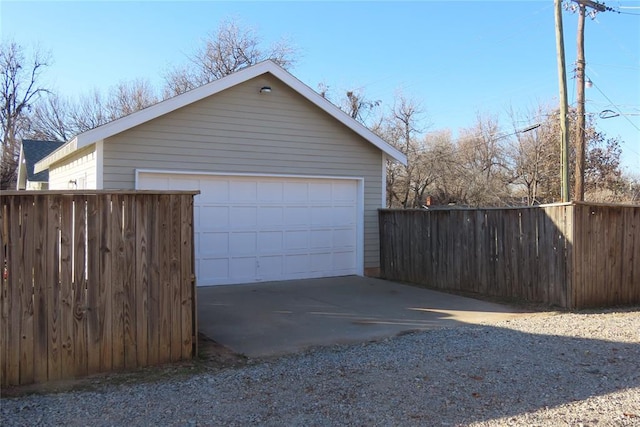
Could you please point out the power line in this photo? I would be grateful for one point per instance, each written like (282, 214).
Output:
(615, 106)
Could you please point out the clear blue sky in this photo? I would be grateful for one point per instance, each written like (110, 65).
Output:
(456, 58)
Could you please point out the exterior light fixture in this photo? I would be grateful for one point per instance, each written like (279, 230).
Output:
(265, 89)
(588, 83)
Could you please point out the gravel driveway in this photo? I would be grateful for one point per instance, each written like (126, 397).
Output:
(546, 369)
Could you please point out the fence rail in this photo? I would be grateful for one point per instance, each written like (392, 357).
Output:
(94, 282)
(571, 255)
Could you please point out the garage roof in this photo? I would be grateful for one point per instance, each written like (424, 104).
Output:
(120, 125)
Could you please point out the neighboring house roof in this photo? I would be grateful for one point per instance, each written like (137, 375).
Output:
(33, 151)
(120, 125)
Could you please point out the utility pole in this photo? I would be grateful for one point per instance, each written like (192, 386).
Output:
(580, 142)
(562, 80)
(580, 79)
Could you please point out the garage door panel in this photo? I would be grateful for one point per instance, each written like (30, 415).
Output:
(320, 192)
(343, 215)
(296, 264)
(322, 216)
(321, 239)
(321, 262)
(243, 216)
(270, 242)
(298, 239)
(270, 192)
(242, 268)
(270, 216)
(270, 267)
(243, 191)
(296, 215)
(249, 229)
(212, 243)
(343, 238)
(344, 260)
(242, 243)
(212, 269)
(212, 191)
(296, 192)
(344, 191)
(213, 217)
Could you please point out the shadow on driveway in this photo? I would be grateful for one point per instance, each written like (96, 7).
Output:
(276, 318)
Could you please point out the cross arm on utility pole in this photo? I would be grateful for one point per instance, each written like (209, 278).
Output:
(600, 7)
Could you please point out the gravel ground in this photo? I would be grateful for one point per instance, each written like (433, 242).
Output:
(545, 369)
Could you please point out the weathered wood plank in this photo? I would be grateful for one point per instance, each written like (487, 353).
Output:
(40, 317)
(174, 280)
(25, 270)
(187, 285)
(164, 289)
(67, 317)
(80, 305)
(4, 291)
(143, 212)
(105, 282)
(118, 272)
(54, 350)
(129, 283)
(14, 283)
(154, 285)
(95, 308)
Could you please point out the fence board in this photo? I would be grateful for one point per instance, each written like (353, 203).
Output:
(26, 291)
(67, 315)
(4, 288)
(187, 268)
(95, 282)
(41, 329)
(79, 287)
(571, 255)
(105, 282)
(130, 205)
(52, 251)
(95, 314)
(154, 320)
(176, 244)
(164, 297)
(15, 284)
(143, 213)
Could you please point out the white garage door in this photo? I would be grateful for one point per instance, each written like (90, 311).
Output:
(250, 229)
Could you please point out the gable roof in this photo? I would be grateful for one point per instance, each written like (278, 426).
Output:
(33, 151)
(120, 125)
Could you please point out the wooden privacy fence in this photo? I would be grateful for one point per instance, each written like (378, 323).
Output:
(95, 281)
(573, 255)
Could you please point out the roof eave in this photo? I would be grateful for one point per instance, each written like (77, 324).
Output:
(120, 125)
(57, 155)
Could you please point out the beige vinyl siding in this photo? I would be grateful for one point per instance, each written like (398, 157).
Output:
(80, 168)
(242, 131)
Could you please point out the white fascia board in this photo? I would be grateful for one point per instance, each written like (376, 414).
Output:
(59, 154)
(179, 101)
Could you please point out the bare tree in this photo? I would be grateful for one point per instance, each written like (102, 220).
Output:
(129, 97)
(19, 88)
(57, 118)
(231, 48)
(51, 119)
(358, 106)
(406, 185)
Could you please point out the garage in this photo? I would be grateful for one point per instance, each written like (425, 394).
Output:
(252, 228)
(291, 185)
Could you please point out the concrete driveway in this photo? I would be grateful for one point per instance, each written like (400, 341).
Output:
(276, 318)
